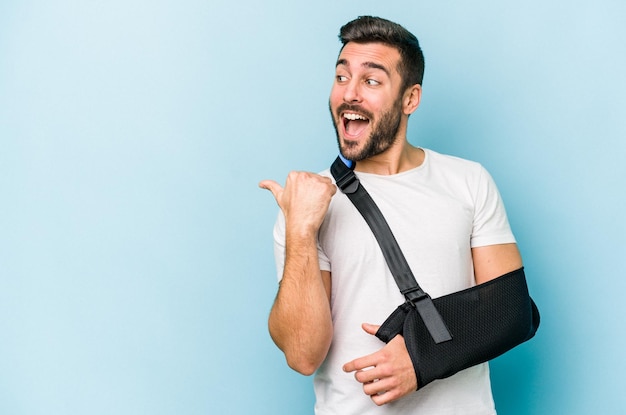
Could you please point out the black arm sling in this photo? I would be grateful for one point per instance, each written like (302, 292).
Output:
(454, 332)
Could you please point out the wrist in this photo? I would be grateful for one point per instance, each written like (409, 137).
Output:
(301, 236)
(298, 230)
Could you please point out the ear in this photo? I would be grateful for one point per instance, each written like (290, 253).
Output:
(411, 99)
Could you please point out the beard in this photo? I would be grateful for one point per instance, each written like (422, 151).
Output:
(383, 135)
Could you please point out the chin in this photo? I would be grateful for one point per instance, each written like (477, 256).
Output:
(349, 148)
(351, 153)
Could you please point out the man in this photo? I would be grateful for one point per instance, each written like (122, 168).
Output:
(335, 287)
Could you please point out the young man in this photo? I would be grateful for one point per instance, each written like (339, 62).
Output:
(335, 287)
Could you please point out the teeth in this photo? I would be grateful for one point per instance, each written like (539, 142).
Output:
(353, 117)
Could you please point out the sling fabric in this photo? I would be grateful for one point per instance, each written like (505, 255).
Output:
(485, 321)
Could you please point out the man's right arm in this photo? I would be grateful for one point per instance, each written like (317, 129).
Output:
(300, 320)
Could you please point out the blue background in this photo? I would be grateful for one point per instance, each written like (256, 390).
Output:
(136, 267)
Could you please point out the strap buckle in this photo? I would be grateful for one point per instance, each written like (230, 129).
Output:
(425, 307)
(348, 182)
(414, 294)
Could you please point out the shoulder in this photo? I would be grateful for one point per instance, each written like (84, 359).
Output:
(440, 160)
(325, 173)
(452, 168)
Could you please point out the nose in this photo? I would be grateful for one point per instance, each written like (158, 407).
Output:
(352, 92)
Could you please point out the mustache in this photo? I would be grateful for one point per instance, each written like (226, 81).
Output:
(353, 108)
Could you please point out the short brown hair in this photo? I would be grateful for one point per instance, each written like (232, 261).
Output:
(369, 29)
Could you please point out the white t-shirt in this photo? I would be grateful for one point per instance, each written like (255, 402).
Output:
(437, 212)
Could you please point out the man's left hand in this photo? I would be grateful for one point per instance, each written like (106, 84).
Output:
(386, 375)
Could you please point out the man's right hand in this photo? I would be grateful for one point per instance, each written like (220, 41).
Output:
(304, 200)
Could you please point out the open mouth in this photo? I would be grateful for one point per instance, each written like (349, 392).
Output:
(354, 124)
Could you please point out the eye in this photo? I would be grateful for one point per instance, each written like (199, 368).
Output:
(341, 78)
(372, 82)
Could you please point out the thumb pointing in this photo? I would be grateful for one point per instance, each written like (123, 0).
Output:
(272, 186)
(370, 328)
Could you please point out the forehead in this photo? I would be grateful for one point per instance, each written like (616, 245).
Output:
(370, 55)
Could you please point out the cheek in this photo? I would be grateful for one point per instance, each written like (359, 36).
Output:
(335, 96)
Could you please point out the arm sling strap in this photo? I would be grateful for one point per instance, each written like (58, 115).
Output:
(450, 333)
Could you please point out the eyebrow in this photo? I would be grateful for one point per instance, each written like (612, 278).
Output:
(371, 65)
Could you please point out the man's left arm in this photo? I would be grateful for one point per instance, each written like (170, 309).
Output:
(388, 374)
(493, 261)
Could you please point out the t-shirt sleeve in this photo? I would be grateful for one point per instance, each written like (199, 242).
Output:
(279, 248)
(279, 245)
(491, 225)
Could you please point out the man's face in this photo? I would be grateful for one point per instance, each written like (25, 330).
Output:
(366, 101)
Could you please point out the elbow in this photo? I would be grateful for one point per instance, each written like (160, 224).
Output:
(304, 350)
(304, 366)
(303, 358)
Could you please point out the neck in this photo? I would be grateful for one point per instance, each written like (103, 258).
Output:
(394, 160)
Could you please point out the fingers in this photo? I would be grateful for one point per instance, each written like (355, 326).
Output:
(382, 391)
(379, 384)
(365, 361)
(387, 374)
(361, 363)
(304, 200)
